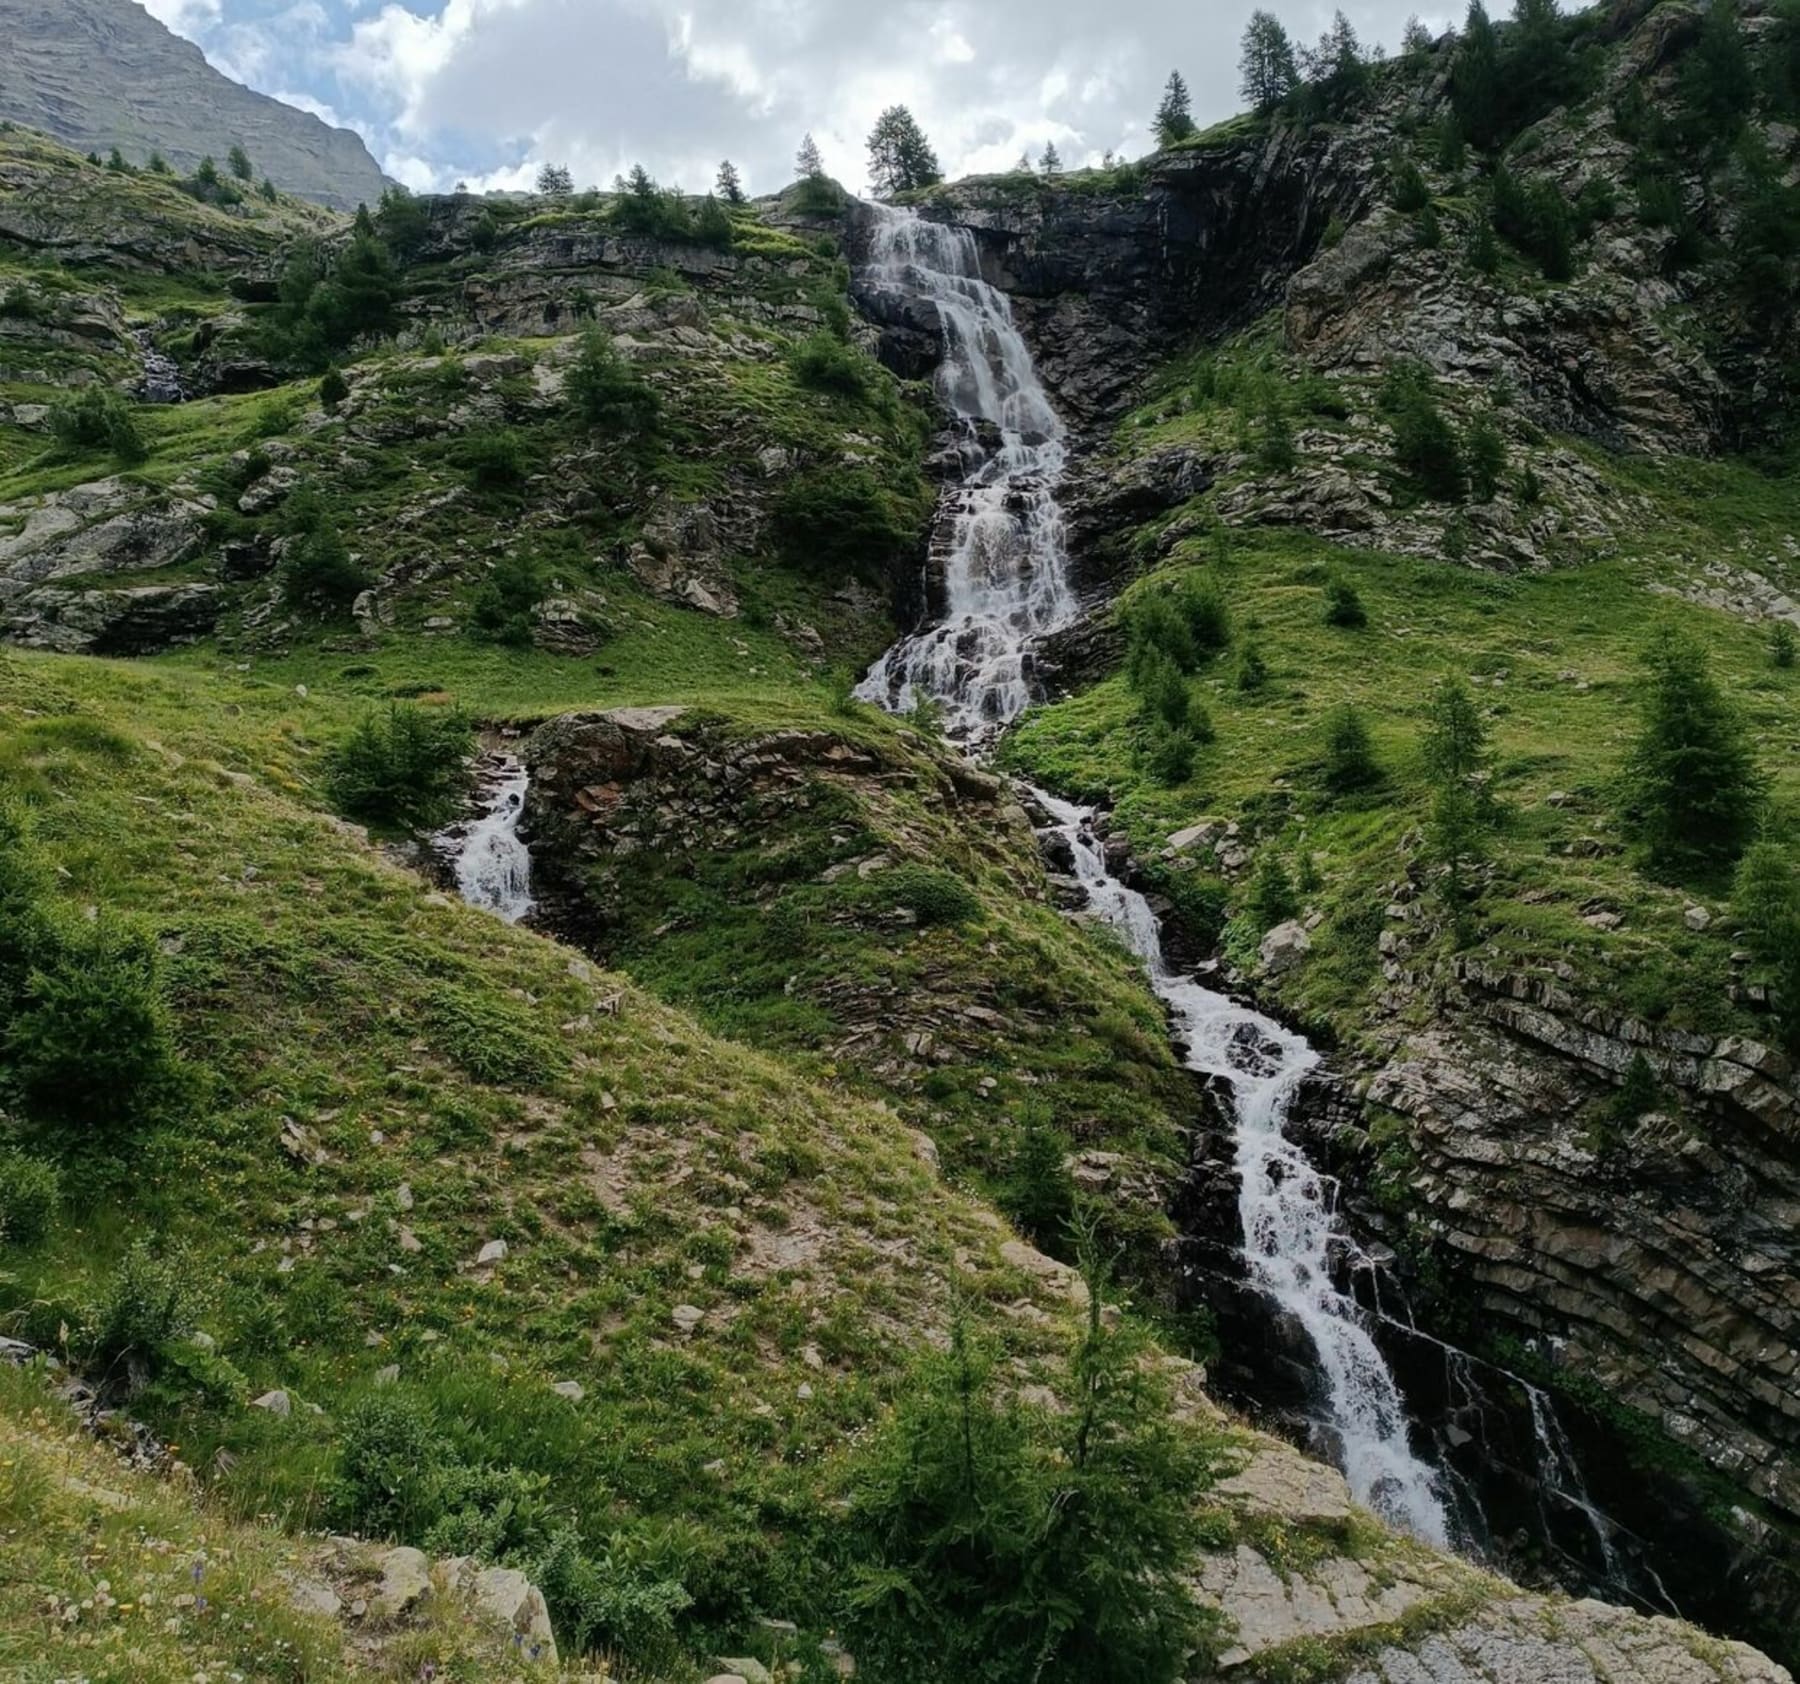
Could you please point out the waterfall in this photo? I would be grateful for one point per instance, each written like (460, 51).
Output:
(1000, 530)
(1006, 585)
(492, 863)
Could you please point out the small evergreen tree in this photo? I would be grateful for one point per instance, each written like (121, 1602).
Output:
(1406, 186)
(1456, 837)
(1455, 748)
(158, 164)
(900, 158)
(730, 185)
(1484, 455)
(1692, 788)
(268, 190)
(1272, 897)
(1718, 81)
(1350, 762)
(238, 162)
(1484, 249)
(555, 181)
(1765, 900)
(808, 161)
(1416, 45)
(1174, 120)
(115, 161)
(1338, 69)
(1782, 644)
(1051, 162)
(334, 388)
(1343, 607)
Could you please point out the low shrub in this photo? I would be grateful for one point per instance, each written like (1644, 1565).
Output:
(934, 897)
(404, 769)
(97, 418)
(30, 1192)
(1343, 607)
(151, 1303)
(334, 388)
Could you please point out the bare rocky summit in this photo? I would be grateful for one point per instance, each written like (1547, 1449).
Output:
(103, 73)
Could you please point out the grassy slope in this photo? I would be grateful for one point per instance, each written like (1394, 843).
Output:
(631, 1162)
(1554, 660)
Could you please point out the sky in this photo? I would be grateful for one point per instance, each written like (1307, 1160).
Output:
(483, 92)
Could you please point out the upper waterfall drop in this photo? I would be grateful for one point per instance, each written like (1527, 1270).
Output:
(1006, 585)
(1006, 574)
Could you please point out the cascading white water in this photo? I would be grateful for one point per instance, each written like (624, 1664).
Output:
(493, 865)
(1006, 585)
(1006, 579)
(1290, 1232)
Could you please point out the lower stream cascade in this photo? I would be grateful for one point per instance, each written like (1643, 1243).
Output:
(1006, 585)
(491, 861)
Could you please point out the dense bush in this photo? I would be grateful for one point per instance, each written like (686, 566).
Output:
(932, 896)
(606, 392)
(495, 461)
(318, 574)
(505, 605)
(90, 1044)
(97, 418)
(1692, 791)
(404, 769)
(992, 1543)
(400, 1474)
(839, 522)
(30, 1191)
(1343, 607)
(334, 388)
(826, 363)
(327, 302)
(1782, 644)
(1180, 625)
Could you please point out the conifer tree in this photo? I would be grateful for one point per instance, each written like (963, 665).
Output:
(1268, 71)
(239, 162)
(1175, 115)
(808, 161)
(1051, 162)
(900, 157)
(1475, 83)
(730, 184)
(1692, 788)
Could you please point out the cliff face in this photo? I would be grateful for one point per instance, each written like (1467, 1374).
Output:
(102, 73)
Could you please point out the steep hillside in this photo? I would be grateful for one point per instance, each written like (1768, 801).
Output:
(99, 74)
(793, 1248)
(1397, 452)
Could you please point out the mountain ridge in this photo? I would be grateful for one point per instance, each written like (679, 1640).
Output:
(96, 74)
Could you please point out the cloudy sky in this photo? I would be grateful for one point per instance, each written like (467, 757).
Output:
(483, 91)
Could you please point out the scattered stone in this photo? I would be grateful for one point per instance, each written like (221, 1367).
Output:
(573, 1390)
(1283, 948)
(276, 1403)
(687, 1317)
(493, 1252)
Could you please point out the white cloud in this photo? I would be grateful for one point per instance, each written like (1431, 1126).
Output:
(501, 85)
